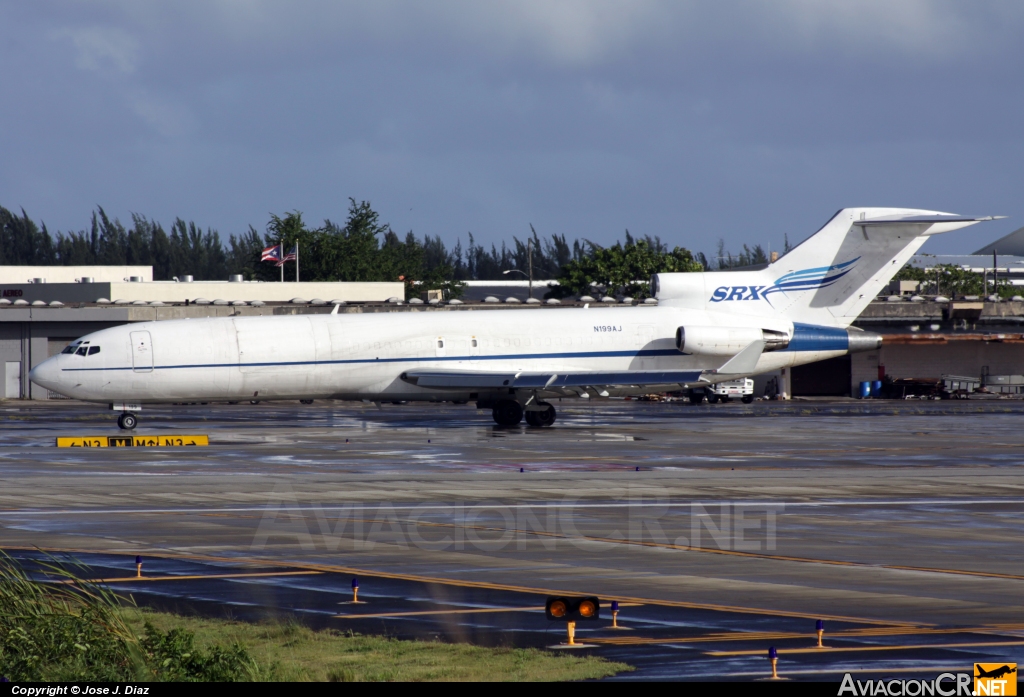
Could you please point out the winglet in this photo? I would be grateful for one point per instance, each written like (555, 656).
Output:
(744, 362)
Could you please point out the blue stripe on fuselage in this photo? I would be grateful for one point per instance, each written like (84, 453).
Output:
(813, 337)
(413, 359)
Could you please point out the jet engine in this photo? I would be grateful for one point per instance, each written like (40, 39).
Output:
(727, 341)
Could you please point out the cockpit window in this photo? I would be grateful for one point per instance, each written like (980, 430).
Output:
(69, 349)
(82, 350)
(93, 350)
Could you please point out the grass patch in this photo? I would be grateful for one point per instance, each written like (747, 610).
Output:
(72, 630)
(296, 653)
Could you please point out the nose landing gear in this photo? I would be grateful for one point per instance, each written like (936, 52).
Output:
(127, 421)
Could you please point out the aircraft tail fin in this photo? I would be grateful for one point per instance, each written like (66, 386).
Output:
(832, 276)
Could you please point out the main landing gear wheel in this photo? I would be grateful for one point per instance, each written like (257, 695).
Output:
(508, 412)
(127, 421)
(696, 398)
(539, 419)
(712, 398)
(747, 398)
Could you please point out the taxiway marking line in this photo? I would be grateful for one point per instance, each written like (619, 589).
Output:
(198, 577)
(968, 668)
(326, 568)
(703, 550)
(866, 633)
(461, 611)
(725, 552)
(515, 506)
(896, 647)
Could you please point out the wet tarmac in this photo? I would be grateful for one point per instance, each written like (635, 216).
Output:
(721, 530)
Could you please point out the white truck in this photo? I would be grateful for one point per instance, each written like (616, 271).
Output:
(742, 389)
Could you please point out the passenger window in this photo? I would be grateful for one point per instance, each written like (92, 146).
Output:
(474, 343)
(94, 350)
(440, 343)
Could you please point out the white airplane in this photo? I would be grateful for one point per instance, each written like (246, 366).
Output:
(707, 328)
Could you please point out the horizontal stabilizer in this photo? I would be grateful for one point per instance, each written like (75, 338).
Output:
(457, 379)
(918, 219)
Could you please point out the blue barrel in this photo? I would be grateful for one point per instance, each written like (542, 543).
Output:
(876, 389)
(865, 389)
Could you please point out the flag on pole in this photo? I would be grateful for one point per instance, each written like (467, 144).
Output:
(272, 253)
(290, 256)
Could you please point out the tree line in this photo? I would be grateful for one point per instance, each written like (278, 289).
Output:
(956, 281)
(363, 248)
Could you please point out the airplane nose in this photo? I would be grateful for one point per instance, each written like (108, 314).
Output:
(46, 374)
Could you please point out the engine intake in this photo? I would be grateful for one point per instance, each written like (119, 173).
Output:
(727, 341)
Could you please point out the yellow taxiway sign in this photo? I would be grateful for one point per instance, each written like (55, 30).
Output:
(154, 441)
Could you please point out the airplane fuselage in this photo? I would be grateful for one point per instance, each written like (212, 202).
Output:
(364, 356)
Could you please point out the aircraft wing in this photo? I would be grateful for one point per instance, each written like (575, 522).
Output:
(470, 379)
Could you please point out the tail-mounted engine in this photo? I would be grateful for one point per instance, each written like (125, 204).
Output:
(727, 341)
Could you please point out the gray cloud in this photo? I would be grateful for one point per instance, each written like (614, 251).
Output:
(692, 120)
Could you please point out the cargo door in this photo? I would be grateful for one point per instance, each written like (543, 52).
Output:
(142, 352)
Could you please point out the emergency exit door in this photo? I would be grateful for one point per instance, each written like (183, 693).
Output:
(142, 352)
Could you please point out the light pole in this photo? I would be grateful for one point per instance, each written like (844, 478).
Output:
(524, 276)
(529, 261)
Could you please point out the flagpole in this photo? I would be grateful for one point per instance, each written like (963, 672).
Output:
(296, 261)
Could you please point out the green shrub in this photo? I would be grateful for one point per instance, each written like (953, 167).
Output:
(69, 629)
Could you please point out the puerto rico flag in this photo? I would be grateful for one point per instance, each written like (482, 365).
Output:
(272, 253)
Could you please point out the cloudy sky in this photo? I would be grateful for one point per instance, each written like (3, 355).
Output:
(690, 120)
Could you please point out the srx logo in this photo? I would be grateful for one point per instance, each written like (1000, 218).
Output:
(737, 293)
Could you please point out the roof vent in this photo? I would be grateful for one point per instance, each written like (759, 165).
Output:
(187, 278)
(235, 278)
